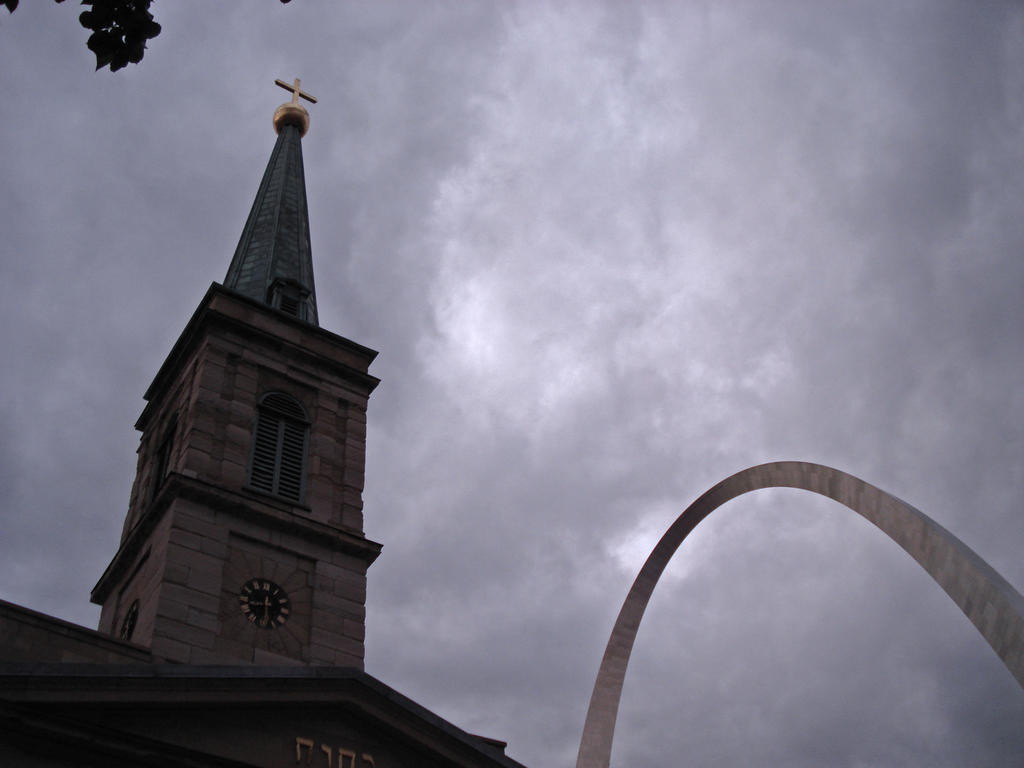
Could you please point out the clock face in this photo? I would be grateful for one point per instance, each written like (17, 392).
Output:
(128, 624)
(264, 603)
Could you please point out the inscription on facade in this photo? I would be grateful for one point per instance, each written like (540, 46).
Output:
(307, 747)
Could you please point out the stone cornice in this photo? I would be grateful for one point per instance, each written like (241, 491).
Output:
(302, 342)
(250, 505)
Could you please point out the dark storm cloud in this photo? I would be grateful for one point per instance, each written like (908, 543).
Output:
(610, 254)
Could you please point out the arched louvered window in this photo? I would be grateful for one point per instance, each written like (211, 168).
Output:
(279, 447)
(162, 459)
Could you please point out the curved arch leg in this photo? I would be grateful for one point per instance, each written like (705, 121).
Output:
(985, 597)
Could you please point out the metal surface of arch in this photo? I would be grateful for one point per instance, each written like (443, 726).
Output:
(985, 597)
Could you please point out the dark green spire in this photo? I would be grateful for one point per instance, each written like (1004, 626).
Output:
(273, 262)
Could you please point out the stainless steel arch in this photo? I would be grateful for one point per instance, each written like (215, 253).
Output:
(985, 597)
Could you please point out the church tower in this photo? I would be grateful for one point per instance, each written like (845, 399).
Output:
(244, 542)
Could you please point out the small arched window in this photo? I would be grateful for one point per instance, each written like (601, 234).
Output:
(279, 447)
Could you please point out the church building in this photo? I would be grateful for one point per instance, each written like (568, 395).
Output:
(232, 617)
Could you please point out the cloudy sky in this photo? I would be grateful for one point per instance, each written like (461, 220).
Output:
(610, 254)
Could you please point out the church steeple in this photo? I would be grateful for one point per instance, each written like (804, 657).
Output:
(273, 262)
(244, 538)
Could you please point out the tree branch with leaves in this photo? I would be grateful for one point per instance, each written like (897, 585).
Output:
(120, 29)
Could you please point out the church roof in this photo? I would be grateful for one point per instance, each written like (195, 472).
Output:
(227, 716)
(273, 262)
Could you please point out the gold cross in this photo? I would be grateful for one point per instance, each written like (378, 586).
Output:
(296, 91)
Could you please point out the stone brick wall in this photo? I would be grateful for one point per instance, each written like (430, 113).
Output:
(188, 549)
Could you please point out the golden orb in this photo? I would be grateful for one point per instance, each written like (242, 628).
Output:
(291, 113)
